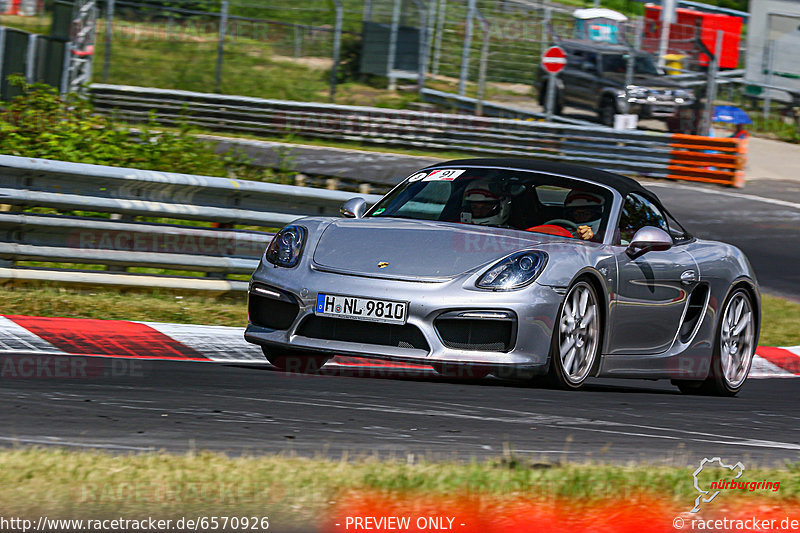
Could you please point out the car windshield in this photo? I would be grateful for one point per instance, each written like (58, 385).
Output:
(516, 199)
(619, 63)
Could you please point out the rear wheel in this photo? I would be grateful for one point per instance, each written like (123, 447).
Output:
(295, 361)
(574, 353)
(734, 348)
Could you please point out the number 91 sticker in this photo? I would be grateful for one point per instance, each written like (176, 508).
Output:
(448, 174)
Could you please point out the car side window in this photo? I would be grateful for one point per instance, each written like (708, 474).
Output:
(638, 212)
(590, 62)
(676, 231)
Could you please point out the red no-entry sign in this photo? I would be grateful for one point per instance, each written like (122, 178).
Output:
(554, 59)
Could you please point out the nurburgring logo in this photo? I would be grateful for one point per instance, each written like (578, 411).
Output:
(715, 487)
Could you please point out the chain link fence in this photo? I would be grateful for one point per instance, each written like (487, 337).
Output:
(474, 48)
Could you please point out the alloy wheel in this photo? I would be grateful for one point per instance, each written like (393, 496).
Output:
(579, 332)
(737, 339)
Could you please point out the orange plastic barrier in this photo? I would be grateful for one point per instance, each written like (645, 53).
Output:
(12, 7)
(708, 159)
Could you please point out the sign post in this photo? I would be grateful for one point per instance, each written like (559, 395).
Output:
(554, 59)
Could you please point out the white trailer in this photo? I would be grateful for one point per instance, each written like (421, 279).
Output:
(773, 46)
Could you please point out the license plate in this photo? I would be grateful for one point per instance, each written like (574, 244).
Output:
(356, 308)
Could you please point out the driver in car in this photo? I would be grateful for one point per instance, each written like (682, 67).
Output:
(586, 210)
(484, 207)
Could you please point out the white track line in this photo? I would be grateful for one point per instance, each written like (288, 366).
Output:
(782, 203)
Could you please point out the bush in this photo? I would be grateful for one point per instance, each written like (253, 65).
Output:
(40, 123)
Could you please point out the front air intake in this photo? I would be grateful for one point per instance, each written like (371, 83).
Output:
(270, 308)
(339, 329)
(476, 334)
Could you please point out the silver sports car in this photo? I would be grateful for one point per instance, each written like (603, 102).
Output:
(522, 269)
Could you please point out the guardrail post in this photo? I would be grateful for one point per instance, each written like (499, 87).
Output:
(337, 41)
(30, 58)
(437, 47)
(547, 16)
(550, 95)
(711, 89)
(631, 67)
(483, 64)
(223, 28)
(2, 52)
(393, 45)
(65, 69)
(297, 38)
(667, 16)
(462, 80)
(423, 43)
(770, 66)
(367, 16)
(109, 30)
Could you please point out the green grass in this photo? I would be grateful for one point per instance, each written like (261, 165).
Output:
(247, 69)
(153, 306)
(288, 489)
(780, 324)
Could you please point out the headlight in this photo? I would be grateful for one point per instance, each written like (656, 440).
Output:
(286, 246)
(513, 272)
(637, 92)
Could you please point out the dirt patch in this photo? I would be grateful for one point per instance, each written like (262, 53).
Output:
(314, 63)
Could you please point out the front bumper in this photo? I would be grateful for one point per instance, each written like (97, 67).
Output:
(533, 310)
(662, 109)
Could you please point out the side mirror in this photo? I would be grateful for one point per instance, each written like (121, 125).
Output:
(353, 208)
(649, 239)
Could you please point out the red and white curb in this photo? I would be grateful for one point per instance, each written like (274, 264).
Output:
(187, 342)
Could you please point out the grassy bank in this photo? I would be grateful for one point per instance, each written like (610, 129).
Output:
(780, 325)
(295, 490)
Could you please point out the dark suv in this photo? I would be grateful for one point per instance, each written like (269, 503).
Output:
(594, 78)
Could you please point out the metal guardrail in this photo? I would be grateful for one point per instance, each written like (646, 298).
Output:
(637, 153)
(118, 241)
(489, 109)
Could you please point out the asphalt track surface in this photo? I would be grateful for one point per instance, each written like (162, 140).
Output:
(763, 220)
(240, 409)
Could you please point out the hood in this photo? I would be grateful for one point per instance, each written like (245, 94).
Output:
(414, 249)
(649, 81)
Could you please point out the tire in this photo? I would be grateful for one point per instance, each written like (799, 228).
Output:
(606, 112)
(734, 347)
(296, 361)
(575, 350)
(450, 370)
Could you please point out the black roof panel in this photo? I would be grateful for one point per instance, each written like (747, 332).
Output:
(621, 183)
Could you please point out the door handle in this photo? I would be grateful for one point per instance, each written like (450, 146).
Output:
(689, 276)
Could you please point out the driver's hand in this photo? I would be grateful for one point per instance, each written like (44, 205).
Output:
(585, 232)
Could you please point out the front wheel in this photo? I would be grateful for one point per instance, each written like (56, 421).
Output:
(607, 111)
(574, 354)
(295, 361)
(558, 100)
